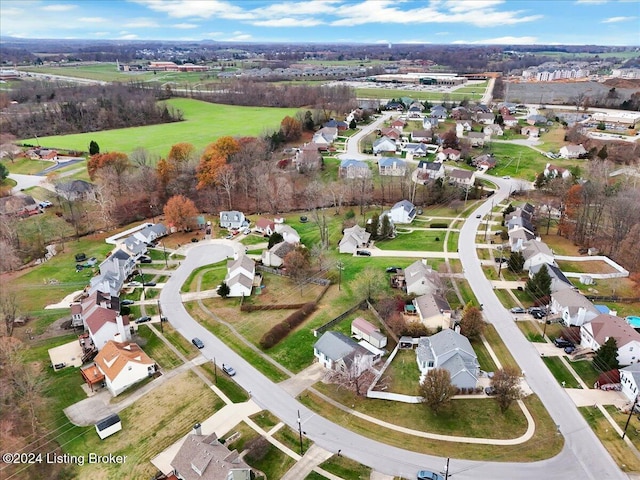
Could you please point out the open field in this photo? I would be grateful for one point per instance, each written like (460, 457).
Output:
(26, 166)
(346, 468)
(561, 93)
(418, 240)
(388, 93)
(588, 266)
(522, 162)
(157, 349)
(204, 123)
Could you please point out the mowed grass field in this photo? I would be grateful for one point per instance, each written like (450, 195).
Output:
(203, 124)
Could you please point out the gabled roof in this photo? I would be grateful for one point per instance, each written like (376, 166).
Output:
(75, 186)
(390, 161)
(242, 262)
(462, 174)
(418, 271)
(420, 134)
(534, 247)
(240, 279)
(634, 371)
(351, 163)
(265, 223)
(554, 272)
(281, 249)
(604, 326)
(431, 304)
(521, 233)
(115, 356)
(476, 135)
(425, 165)
(406, 205)
(364, 326)
(570, 298)
(355, 235)
(336, 346)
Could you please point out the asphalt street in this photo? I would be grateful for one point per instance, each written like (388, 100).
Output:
(582, 457)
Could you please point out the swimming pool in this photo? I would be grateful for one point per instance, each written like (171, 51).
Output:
(633, 321)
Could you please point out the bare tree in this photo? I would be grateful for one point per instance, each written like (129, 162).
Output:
(506, 383)
(370, 284)
(9, 308)
(9, 259)
(472, 324)
(436, 389)
(227, 181)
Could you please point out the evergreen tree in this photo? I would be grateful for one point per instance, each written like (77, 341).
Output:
(541, 180)
(94, 148)
(352, 124)
(386, 229)
(539, 286)
(224, 290)
(308, 121)
(275, 238)
(372, 227)
(602, 154)
(516, 262)
(607, 356)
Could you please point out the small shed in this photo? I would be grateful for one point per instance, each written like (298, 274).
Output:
(363, 330)
(108, 426)
(586, 279)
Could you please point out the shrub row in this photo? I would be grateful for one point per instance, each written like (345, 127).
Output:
(282, 306)
(439, 225)
(281, 330)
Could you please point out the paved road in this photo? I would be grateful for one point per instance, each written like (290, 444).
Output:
(353, 143)
(583, 456)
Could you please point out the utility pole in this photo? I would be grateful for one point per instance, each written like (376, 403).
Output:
(446, 470)
(633, 407)
(518, 164)
(161, 321)
(486, 228)
(164, 249)
(340, 266)
(215, 371)
(300, 432)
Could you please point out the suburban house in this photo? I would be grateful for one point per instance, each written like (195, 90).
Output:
(558, 280)
(572, 151)
(391, 133)
(460, 113)
(448, 154)
(420, 136)
(596, 332)
(439, 112)
(43, 154)
(108, 283)
(232, 219)
(350, 168)
(336, 351)
(18, 204)
(518, 237)
(477, 139)
(240, 276)
(390, 166)
(384, 144)
(535, 253)
(429, 123)
(398, 125)
(485, 161)
(308, 157)
(325, 136)
(151, 233)
(429, 171)
(463, 178)
(363, 330)
(203, 457)
(403, 212)
(421, 279)
(434, 311)
(451, 351)
(530, 130)
(485, 118)
(509, 120)
(516, 221)
(265, 226)
(99, 314)
(574, 307)
(463, 126)
(134, 246)
(354, 238)
(120, 264)
(339, 124)
(493, 129)
(537, 120)
(274, 257)
(415, 149)
(630, 381)
(76, 190)
(553, 171)
(288, 233)
(123, 364)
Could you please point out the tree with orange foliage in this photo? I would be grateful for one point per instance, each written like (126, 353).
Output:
(213, 159)
(111, 167)
(181, 153)
(572, 203)
(291, 129)
(180, 212)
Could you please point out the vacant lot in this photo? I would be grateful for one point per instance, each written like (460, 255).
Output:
(588, 266)
(562, 93)
(203, 124)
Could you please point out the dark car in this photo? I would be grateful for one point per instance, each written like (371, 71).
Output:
(145, 260)
(429, 475)
(502, 260)
(126, 302)
(478, 216)
(490, 390)
(149, 284)
(143, 319)
(538, 314)
(363, 253)
(562, 343)
(228, 369)
(393, 269)
(569, 350)
(197, 342)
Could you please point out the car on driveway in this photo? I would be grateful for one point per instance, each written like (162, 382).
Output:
(392, 269)
(569, 350)
(490, 391)
(126, 302)
(228, 369)
(518, 310)
(134, 284)
(363, 253)
(143, 319)
(149, 284)
(145, 260)
(429, 475)
(45, 204)
(197, 342)
(562, 343)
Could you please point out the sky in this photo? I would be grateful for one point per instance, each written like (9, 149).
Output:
(574, 22)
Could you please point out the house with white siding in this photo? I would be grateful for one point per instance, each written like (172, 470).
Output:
(403, 212)
(596, 332)
(123, 365)
(240, 276)
(354, 238)
(575, 308)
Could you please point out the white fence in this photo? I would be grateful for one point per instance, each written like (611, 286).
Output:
(621, 272)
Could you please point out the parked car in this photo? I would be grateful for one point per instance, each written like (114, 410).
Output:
(393, 269)
(134, 284)
(538, 314)
(518, 310)
(502, 260)
(126, 302)
(143, 319)
(429, 475)
(197, 342)
(45, 204)
(149, 284)
(229, 237)
(562, 343)
(228, 369)
(91, 262)
(145, 260)
(490, 390)
(363, 253)
(569, 350)
(507, 177)
(478, 216)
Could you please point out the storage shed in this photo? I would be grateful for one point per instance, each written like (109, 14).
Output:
(108, 426)
(363, 330)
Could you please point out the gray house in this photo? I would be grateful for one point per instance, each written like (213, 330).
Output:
(232, 219)
(421, 279)
(336, 351)
(451, 351)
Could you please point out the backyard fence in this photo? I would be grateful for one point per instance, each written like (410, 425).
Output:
(323, 328)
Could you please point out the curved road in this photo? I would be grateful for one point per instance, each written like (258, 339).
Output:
(582, 457)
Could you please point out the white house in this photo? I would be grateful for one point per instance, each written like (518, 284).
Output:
(336, 351)
(384, 144)
(274, 257)
(120, 264)
(554, 171)
(232, 219)
(574, 307)
(354, 238)
(433, 310)
(518, 237)
(420, 136)
(350, 168)
(104, 324)
(536, 253)
(151, 233)
(429, 171)
(288, 233)
(265, 226)
(363, 330)
(448, 154)
(595, 333)
(493, 129)
(391, 166)
(558, 279)
(123, 364)
(325, 136)
(421, 279)
(415, 149)
(572, 151)
(463, 178)
(403, 212)
(485, 118)
(450, 351)
(630, 381)
(240, 276)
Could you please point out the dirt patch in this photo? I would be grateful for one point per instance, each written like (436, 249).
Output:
(623, 82)
(589, 266)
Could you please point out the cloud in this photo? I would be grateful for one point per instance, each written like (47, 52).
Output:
(239, 37)
(288, 22)
(617, 19)
(500, 41)
(128, 36)
(197, 8)
(212, 34)
(141, 23)
(92, 20)
(185, 26)
(58, 8)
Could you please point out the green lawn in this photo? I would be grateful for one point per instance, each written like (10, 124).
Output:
(484, 359)
(384, 93)
(346, 468)
(560, 372)
(530, 331)
(418, 240)
(521, 162)
(586, 371)
(157, 349)
(225, 383)
(191, 284)
(403, 374)
(26, 166)
(265, 419)
(204, 123)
